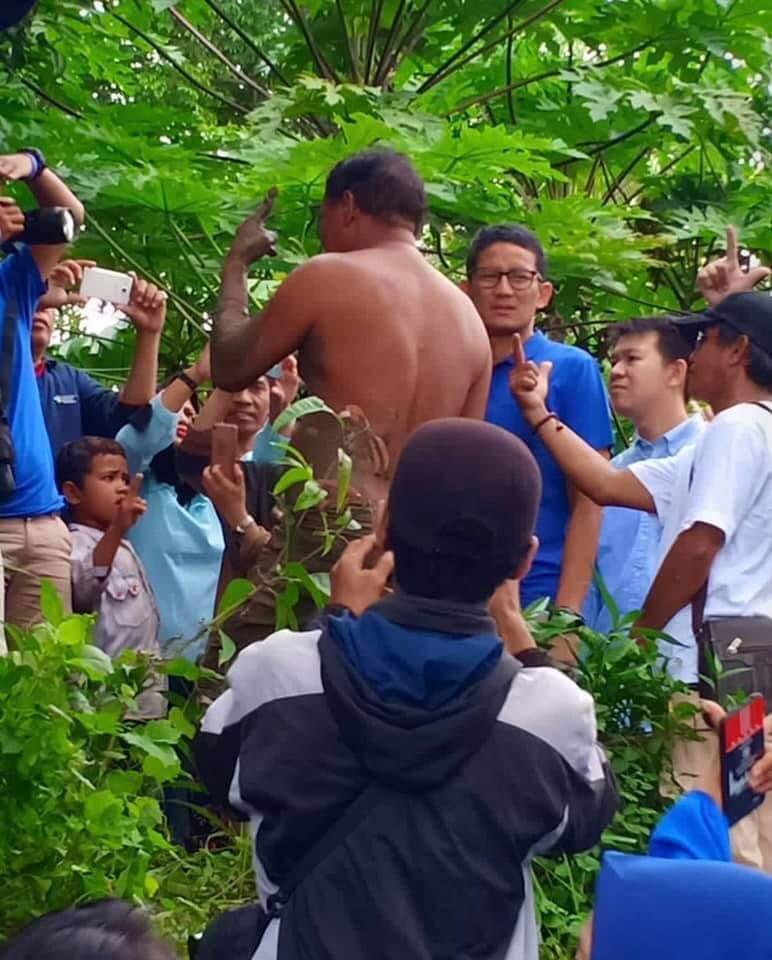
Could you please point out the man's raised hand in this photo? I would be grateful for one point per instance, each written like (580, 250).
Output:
(353, 583)
(529, 382)
(16, 166)
(11, 219)
(132, 506)
(147, 307)
(718, 279)
(253, 240)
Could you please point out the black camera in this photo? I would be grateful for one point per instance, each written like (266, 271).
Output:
(48, 225)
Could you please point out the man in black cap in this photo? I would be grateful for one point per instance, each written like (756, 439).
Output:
(399, 768)
(714, 499)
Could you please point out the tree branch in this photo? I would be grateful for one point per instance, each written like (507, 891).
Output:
(620, 178)
(216, 52)
(356, 76)
(47, 97)
(665, 169)
(405, 45)
(297, 17)
(618, 139)
(372, 32)
(396, 23)
(181, 70)
(454, 64)
(508, 72)
(526, 81)
(247, 40)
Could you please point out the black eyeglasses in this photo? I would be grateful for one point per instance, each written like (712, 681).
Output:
(518, 279)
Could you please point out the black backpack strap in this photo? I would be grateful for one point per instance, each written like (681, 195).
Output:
(349, 820)
(10, 321)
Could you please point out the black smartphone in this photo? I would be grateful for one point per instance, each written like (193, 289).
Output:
(741, 739)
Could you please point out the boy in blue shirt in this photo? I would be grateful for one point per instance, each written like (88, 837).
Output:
(506, 280)
(34, 541)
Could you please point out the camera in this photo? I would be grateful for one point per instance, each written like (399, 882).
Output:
(48, 225)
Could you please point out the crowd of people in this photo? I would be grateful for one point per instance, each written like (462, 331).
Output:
(404, 754)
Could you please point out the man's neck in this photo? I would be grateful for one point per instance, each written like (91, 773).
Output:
(380, 235)
(742, 391)
(661, 420)
(38, 358)
(501, 343)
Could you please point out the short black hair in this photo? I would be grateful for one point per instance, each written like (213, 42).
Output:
(672, 344)
(106, 930)
(759, 361)
(514, 234)
(75, 458)
(384, 184)
(446, 576)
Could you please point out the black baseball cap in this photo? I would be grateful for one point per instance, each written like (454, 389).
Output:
(466, 489)
(12, 11)
(749, 313)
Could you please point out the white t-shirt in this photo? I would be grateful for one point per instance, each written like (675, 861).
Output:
(725, 480)
(667, 480)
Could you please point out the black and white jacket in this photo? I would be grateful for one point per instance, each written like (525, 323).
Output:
(439, 869)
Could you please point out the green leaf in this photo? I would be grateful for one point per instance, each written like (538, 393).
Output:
(93, 662)
(124, 782)
(344, 478)
(311, 496)
(292, 476)
(315, 588)
(73, 631)
(51, 603)
(234, 596)
(302, 408)
(180, 721)
(227, 649)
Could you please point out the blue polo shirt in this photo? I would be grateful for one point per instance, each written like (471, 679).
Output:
(76, 406)
(578, 396)
(36, 495)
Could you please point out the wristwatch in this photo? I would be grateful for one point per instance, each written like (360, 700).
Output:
(38, 163)
(244, 525)
(187, 380)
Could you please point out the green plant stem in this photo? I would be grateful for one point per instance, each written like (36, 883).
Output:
(247, 40)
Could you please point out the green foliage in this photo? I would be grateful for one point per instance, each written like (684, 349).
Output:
(637, 728)
(79, 783)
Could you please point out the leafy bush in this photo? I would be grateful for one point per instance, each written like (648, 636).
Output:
(637, 728)
(79, 783)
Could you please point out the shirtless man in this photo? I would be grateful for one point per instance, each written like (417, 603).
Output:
(376, 326)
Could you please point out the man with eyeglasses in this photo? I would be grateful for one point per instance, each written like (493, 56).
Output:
(506, 280)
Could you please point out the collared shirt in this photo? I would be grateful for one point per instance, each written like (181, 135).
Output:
(185, 572)
(35, 495)
(629, 545)
(577, 395)
(724, 480)
(122, 598)
(76, 406)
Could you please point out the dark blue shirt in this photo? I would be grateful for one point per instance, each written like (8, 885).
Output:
(76, 406)
(577, 395)
(35, 494)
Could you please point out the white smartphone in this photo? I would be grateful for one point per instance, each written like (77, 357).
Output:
(106, 285)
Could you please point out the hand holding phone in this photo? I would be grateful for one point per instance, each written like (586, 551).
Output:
(225, 446)
(107, 285)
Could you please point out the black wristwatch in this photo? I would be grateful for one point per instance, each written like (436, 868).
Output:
(39, 163)
(187, 380)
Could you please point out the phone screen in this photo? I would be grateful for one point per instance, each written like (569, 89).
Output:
(742, 744)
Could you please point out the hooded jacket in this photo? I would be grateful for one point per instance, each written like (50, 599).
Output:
(481, 764)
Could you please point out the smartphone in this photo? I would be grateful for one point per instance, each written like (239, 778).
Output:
(741, 740)
(224, 444)
(106, 285)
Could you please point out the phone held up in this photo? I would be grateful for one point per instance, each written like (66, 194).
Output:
(224, 444)
(741, 742)
(106, 285)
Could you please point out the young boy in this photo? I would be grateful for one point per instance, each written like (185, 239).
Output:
(107, 575)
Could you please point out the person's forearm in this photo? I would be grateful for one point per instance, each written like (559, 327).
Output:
(579, 552)
(105, 550)
(177, 394)
(234, 331)
(215, 410)
(140, 386)
(50, 191)
(681, 576)
(587, 469)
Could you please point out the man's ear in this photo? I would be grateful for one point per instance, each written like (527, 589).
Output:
(546, 292)
(349, 207)
(525, 564)
(72, 493)
(464, 285)
(679, 372)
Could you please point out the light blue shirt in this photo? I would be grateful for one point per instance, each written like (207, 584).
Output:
(180, 547)
(629, 544)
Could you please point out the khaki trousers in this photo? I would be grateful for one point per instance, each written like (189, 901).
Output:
(33, 548)
(752, 836)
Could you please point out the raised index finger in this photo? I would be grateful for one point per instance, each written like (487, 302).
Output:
(135, 485)
(517, 350)
(731, 244)
(264, 210)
